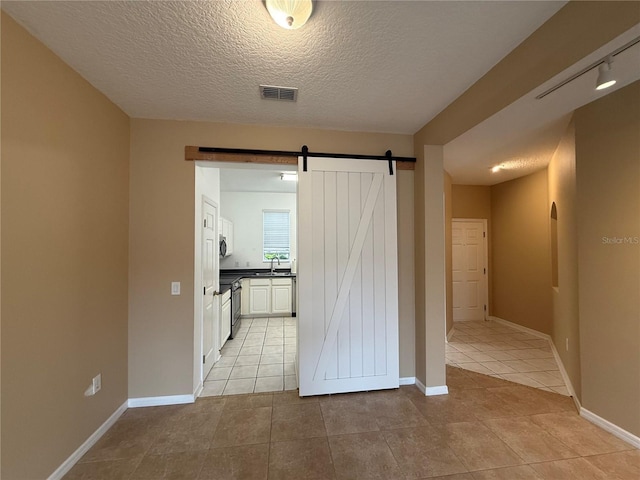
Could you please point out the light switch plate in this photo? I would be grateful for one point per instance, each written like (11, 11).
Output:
(175, 288)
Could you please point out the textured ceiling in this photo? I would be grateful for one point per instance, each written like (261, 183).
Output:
(380, 66)
(377, 66)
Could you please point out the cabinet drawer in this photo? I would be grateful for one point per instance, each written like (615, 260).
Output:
(260, 281)
(281, 281)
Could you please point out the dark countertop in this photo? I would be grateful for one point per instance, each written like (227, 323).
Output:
(228, 276)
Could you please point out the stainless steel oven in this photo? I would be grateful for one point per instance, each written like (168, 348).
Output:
(236, 291)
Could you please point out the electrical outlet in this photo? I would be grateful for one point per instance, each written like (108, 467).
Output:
(97, 383)
(237, 264)
(248, 264)
(566, 344)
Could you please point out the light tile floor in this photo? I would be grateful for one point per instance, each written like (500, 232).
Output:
(501, 351)
(260, 358)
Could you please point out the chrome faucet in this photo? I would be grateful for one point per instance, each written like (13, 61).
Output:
(272, 259)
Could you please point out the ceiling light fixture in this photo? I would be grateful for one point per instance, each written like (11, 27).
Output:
(496, 169)
(289, 14)
(605, 75)
(291, 177)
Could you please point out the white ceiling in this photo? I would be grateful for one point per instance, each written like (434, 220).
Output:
(376, 66)
(256, 178)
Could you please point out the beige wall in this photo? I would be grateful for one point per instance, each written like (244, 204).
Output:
(406, 272)
(471, 201)
(65, 151)
(474, 201)
(608, 188)
(448, 245)
(430, 271)
(562, 190)
(161, 347)
(521, 262)
(419, 271)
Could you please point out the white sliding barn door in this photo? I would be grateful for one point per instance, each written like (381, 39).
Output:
(347, 276)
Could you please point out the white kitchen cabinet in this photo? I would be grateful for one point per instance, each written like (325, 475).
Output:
(225, 228)
(281, 295)
(225, 317)
(266, 296)
(259, 296)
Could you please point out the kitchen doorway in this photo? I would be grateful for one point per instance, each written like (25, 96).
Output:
(260, 355)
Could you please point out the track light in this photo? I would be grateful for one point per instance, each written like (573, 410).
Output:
(605, 75)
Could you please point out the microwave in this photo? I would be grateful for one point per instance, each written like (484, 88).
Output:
(223, 246)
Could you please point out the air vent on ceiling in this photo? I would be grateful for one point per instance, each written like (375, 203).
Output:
(279, 93)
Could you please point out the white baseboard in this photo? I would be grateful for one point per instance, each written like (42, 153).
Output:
(157, 401)
(439, 390)
(68, 464)
(530, 331)
(198, 391)
(450, 334)
(565, 375)
(610, 427)
(407, 380)
(430, 391)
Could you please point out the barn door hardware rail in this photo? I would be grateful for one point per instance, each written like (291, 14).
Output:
(283, 157)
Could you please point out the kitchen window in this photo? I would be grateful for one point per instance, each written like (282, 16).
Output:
(275, 235)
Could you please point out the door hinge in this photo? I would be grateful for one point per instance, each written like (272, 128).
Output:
(203, 358)
(205, 223)
(484, 234)
(484, 271)
(204, 290)
(485, 308)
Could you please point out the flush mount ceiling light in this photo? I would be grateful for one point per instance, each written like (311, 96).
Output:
(496, 169)
(289, 14)
(288, 176)
(605, 75)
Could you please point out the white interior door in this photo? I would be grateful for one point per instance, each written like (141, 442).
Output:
(210, 281)
(469, 269)
(347, 276)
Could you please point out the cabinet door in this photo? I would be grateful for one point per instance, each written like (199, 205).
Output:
(229, 236)
(281, 298)
(259, 299)
(225, 322)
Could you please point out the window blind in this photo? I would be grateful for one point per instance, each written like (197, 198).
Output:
(275, 234)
